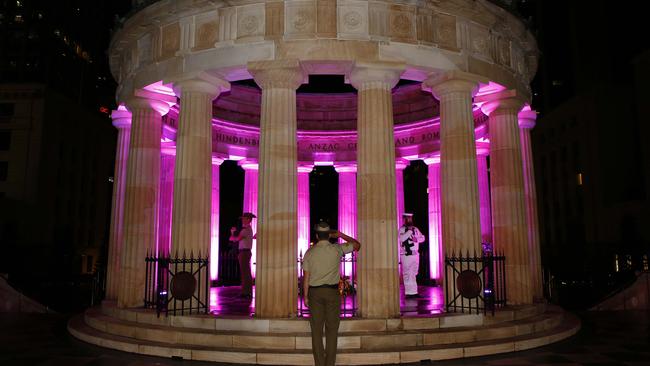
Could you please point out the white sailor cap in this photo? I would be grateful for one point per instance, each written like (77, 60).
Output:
(407, 214)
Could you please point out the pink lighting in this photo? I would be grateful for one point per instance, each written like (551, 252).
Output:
(250, 203)
(484, 197)
(303, 209)
(490, 88)
(167, 164)
(400, 165)
(435, 224)
(160, 88)
(214, 221)
(347, 206)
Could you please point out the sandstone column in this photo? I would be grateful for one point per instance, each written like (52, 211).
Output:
(166, 203)
(250, 202)
(510, 231)
(484, 196)
(141, 194)
(526, 123)
(347, 206)
(461, 220)
(436, 259)
(276, 283)
(191, 233)
(122, 121)
(303, 208)
(377, 226)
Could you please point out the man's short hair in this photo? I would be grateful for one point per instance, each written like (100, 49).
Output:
(322, 235)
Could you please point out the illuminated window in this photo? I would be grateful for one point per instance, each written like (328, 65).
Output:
(579, 179)
(19, 4)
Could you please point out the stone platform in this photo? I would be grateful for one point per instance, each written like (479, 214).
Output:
(287, 341)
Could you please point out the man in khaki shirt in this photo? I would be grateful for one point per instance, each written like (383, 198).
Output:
(321, 266)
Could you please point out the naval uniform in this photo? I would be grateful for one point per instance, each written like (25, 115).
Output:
(410, 238)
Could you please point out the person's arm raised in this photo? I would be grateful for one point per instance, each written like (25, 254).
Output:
(355, 243)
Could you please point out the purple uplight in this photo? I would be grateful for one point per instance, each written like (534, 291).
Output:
(435, 224)
(250, 204)
(303, 209)
(347, 206)
(214, 222)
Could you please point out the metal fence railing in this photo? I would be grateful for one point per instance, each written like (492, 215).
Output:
(475, 283)
(177, 285)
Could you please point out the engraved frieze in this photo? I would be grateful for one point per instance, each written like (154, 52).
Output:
(207, 31)
(300, 19)
(250, 21)
(445, 31)
(480, 41)
(171, 40)
(503, 52)
(353, 19)
(402, 23)
(144, 50)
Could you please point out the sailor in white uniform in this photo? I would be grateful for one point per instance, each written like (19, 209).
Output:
(409, 239)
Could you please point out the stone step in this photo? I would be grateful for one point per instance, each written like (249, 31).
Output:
(227, 323)
(377, 340)
(568, 326)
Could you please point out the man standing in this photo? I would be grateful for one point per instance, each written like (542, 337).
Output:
(245, 244)
(321, 277)
(410, 238)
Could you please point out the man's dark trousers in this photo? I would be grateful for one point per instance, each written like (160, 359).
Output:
(244, 258)
(325, 307)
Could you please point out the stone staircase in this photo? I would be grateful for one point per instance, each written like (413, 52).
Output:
(288, 341)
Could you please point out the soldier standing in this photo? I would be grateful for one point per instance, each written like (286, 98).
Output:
(409, 239)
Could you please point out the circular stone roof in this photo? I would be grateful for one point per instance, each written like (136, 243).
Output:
(324, 111)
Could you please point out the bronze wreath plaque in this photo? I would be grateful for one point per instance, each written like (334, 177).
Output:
(468, 284)
(183, 285)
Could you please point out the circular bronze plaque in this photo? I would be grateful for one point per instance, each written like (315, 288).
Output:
(468, 284)
(183, 285)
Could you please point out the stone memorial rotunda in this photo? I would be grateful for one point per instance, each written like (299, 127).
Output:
(443, 81)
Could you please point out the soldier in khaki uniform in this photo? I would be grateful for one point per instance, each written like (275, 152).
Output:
(321, 267)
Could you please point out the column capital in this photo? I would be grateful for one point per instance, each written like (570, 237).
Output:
(201, 82)
(121, 118)
(508, 101)
(305, 168)
(432, 160)
(283, 74)
(482, 151)
(247, 164)
(217, 160)
(145, 99)
(527, 119)
(401, 164)
(373, 75)
(345, 168)
(453, 81)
